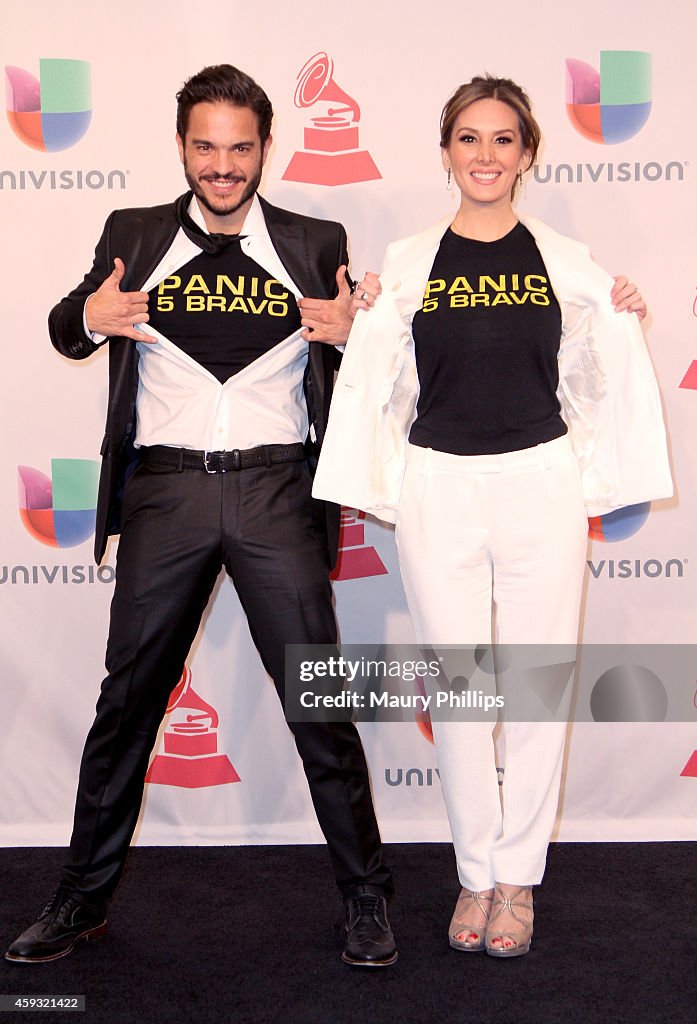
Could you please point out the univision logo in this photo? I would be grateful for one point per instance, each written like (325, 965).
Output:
(613, 104)
(52, 112)
(411, 776)
(607, 171)
(60, 510)
(607, 107)
(620, 524)
(633, 568)
(32, 575)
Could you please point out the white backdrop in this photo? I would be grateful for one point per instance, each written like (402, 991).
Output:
(622, 781)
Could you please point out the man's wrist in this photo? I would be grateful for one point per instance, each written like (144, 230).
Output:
(94, 336)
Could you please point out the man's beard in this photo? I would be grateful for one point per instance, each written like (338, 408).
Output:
(218, 211)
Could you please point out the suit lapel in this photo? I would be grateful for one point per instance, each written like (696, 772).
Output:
(153, 252)
(290, 241)
(146, 240)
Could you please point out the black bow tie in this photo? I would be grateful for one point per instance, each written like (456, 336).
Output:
(213, 243)
(221, 241)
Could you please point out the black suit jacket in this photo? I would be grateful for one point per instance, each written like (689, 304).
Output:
(311, 250)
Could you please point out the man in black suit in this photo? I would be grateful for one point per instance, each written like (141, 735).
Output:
(217, 407)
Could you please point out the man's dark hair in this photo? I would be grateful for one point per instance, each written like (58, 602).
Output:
(221, 83)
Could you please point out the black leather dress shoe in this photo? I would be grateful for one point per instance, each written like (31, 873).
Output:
(63, 923)
(369, 938)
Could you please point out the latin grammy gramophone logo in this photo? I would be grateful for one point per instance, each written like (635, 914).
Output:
(689, 381)
(190, 759)
(356, 559)
(423, 717)
(690, 769)
(331, 154)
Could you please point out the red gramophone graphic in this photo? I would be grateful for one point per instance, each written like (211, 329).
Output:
(689, 381)
(423, 718)
(190, 759)
(355, 560)
(331, 155)
(690, 769)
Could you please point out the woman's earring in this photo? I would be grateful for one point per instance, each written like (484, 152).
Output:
(449, 185)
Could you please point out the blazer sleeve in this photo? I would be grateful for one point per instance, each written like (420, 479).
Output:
(342, 259)
(332, 254)
(65, 321)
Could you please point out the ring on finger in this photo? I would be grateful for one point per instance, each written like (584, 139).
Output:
(364, 296)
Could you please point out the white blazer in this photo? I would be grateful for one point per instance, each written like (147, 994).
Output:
(607, 388)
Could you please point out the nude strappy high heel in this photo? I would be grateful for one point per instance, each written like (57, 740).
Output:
(458, 924)
(520, 937)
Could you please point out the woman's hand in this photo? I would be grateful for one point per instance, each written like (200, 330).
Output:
(366, 292)
(626, 297)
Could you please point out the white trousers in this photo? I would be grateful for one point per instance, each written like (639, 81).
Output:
(508, 532)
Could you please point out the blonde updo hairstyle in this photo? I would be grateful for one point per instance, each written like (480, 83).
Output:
(486, 87)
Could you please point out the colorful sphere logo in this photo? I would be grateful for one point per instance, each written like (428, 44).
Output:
(59, 512)
(53, 112)
(620, 524)
(613, 104)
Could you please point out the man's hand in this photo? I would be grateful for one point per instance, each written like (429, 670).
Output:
(111, 312)
(625, 296)
(328, 320)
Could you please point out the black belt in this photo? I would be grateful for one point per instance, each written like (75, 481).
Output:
(221, 462)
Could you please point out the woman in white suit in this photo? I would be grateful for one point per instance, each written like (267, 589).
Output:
(490, 401)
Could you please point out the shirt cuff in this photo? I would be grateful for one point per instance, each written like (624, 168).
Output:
(94, 336)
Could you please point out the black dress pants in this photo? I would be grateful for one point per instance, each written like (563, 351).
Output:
(178, 529)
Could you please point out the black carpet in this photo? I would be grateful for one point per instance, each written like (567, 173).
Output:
(253, 934)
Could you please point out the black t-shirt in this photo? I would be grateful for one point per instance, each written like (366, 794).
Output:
(223, 310)
(486, 339)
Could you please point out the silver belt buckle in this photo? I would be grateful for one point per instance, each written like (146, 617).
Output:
(235, 458)
(206, 464)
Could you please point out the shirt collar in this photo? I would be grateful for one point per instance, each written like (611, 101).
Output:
(256, 241)
(254, 223)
